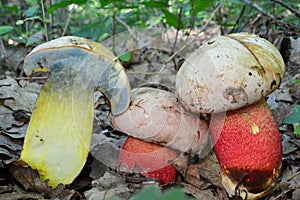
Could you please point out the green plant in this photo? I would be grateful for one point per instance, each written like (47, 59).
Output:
(295, 119)
(153, 192)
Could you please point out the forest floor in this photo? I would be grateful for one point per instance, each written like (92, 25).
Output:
(100, 180)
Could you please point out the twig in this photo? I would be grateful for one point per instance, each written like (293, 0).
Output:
(288, 179)
(68, 20)
(3, 51)
(193, 39)
(51, 22)
(293, 176)
(193, 15)
(177, 29)
(256, 7)
(113, 26)
(131, 32)
(238, 19)
(31, 78)
(145, 73)
(44, 21)
(296, 12)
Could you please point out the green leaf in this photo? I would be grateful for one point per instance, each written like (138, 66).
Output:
(174, 194)
(125, 57)
(93, 30)
(31, 11)
(295, 117)
(201, 5)
(19, 22)
(153, 192)
(171, 18)
(155, 4)
(297, 130)
(149, 193)
(107, 2)
(64, 4)
(296, 80)
(102, 37)
(5, 29)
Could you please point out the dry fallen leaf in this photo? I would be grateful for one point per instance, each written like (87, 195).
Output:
(30, 180)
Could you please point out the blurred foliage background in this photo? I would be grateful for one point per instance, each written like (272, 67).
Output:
(34, 21)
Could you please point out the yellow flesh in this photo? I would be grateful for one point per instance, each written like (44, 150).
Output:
(60, 129)
(59, 133)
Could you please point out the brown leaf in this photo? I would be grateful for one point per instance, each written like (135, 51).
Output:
(207, 194)
(193, 176)
(209, 169)
(181, 163)
(30, 180)
(5, 188)
(296, 194)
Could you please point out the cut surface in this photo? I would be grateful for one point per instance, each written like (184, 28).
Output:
(59, 133)
(248, 147)
(151, 160)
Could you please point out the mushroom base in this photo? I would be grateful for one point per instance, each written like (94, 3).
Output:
(248, 184)
(151, 160)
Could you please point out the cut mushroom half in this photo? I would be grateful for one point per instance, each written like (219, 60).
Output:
(59, 134)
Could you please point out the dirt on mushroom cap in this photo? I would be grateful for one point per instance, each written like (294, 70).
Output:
(229, 72)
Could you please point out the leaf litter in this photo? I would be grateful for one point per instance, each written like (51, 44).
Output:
(100, 179)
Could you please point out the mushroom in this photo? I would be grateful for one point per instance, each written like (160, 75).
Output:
(59, 133)
(147, 158)
(249, 150)
(228, 77)
(155, 116)
(229, 72)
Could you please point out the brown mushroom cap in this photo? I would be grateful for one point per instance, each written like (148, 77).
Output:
(156, 116)
(229, 72)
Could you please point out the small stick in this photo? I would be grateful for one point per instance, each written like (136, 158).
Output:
(44, 21)
(256, 7)
(31, 78)
(193, 39)
(297, 13)
(178, 28)
(68, 21)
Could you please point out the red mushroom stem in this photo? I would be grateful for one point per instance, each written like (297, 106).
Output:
(248, 147)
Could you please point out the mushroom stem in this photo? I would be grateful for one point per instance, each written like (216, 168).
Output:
(248, 147)
(59, 134)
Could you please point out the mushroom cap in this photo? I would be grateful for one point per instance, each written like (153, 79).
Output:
(155, 115)
(83, 62)
(229, 72)
(248, 147)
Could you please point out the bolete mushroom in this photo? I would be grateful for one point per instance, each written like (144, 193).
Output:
(248, 148)
(147, 158)
(226, 74)
(156, 116)
(59, 134)
(229, 72)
